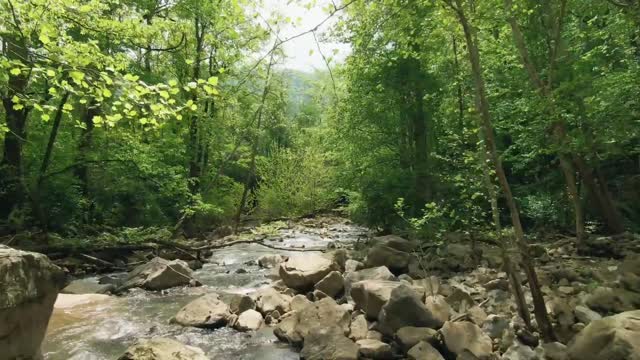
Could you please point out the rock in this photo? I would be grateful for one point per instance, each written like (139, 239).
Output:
(238, 303)
(79, 287)
(162, 349)
(424, 351)
(299, 302)
(241, 271)
(462, 335)
(338, 257)
(391, 251)
(375, 273)
(375, 335)
(318, 295)
(159, 274)
(328, 344)
(495, 325)
(352, 265)
(269, 299)
(405, 308)
(612, 301)
(611, 338)
(500, 284)
(555, 351)
(371, 295)
(374, 349)
(270, 261)
(207, 311)
(460, 300)
(586, 315)
(249, 320)
(527, 337)
(477, 315)
(326, 312)
(332, 284)
(303, 271)
(438, 307)
(518, 351)
(359, 328)
(410, 336)
(29, 286)
(629, 273)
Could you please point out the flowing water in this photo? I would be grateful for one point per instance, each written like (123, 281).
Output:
(105, 327)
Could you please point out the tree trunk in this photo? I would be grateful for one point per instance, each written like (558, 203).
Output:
(193, 146)
(12, 189)
(254, 149)
(558, 127)
(482, 105)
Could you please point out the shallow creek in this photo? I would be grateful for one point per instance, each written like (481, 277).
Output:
(105, 327)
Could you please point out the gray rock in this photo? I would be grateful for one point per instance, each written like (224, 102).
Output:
(299, 302)
(586, 315)
(438, 307)
(555, 351)
(611, 338)
(79, 287)
(332, 284)
(374, 349)
(500, 284)
(249, 320)
(358, 328)
(294, 327)
(410, 336)
(269, 299)
(465, 335)
(391, 251)
(238, 303)
(270, 261)
(159, 274)
(495, 325)
(29, 287)
(303, 271)
(518, 351)
(612, 301)
(352, 266)
(162, 349)
(371, 295)
(328, 344)
(405, 308)
(207, 311)
(424, 351)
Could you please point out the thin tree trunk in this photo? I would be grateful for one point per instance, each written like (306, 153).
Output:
(254, 150)
(456, 65)
(482, 105)
(558, 127)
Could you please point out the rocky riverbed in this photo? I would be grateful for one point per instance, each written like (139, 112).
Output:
(326, 289)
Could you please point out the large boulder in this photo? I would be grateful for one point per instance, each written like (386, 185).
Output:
(303, 271)
(162, 349)
(332, 284)
(159, 274)
(371, 295)
(328, 344)
(391, 251)
(359, 328)
(405, 308)
(376, 273)
(464, 335)
(29, 285)
(294, 327)
(207, 311)
(612, 338)
(438, 307)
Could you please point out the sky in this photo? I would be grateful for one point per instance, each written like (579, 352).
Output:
(298, 51)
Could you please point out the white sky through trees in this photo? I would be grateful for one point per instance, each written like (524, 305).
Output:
(302, 53)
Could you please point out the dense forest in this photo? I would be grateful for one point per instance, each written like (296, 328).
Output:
(446, 114)
(506, 122)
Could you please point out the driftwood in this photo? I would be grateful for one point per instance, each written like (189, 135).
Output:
(254, 241)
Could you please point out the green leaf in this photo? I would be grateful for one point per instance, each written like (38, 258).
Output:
(213, 80)
(51, 73)
(45, 117)
(77, 76)
(164, 94)
(15, 71)
(106, 93)
(67, 107)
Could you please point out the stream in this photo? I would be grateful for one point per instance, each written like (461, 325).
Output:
(106, 327)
